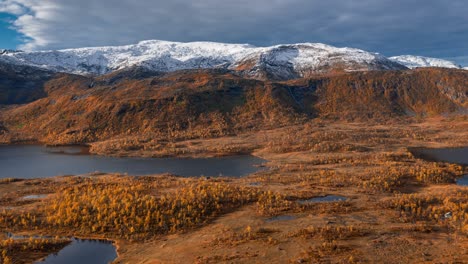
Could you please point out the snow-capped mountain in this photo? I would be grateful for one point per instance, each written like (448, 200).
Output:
(281, 61)
(8, 51)
(302, 60)
(412, 62)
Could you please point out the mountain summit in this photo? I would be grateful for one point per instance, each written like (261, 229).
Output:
(275, 62)
(412, 62)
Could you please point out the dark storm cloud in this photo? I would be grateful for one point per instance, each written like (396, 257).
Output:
(436, 28)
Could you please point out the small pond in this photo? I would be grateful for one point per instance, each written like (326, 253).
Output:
(78, 251)
(84, 251)
(452, 155)
(34, 197)
(324, 199)
(463, 181)
(280, 218)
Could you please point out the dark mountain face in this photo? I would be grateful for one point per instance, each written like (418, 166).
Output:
(206, 103)
(185, 104)
(22, 84)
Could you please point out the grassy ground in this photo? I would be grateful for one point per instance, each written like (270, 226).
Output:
(394, 212)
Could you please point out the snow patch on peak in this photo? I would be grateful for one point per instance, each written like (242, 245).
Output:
(412, 62)
(281, 61)
(305, 59)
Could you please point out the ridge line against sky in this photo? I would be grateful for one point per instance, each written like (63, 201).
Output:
(433, 28)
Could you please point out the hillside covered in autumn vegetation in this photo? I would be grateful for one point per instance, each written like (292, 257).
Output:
(68, 109)
(337, 134)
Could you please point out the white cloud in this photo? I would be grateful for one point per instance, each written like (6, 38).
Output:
(12, 7)
(423, 27)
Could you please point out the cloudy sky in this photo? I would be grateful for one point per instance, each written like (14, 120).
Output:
(437, 28)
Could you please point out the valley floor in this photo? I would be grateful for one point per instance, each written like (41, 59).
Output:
(395, 210)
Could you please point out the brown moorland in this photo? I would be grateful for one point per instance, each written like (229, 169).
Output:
(346, 135)
(393, 212)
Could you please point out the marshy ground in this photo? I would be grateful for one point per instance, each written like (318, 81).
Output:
(399, 209)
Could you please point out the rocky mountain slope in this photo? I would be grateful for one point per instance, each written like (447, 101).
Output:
(276, 62)
(207, 103)
(412, 62)
(22, 84)
(202, 89)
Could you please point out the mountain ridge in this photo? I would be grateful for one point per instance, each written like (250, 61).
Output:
(286, 61)
(412, 62)
(215, 102)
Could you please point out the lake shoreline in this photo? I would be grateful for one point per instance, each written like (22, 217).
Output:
(73, 160)
(370, 166)
(441, 154)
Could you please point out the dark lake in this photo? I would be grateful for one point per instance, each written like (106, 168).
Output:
(78, 251)
(452, 155)
(84, 251)
(463, 181)
(33, 161)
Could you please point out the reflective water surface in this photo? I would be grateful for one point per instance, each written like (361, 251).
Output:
(84, 251)
(280, 218)
(78, 251)
(463, 181)
(33, 161)
(34, 197)
(453, 155)
(324, 199)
